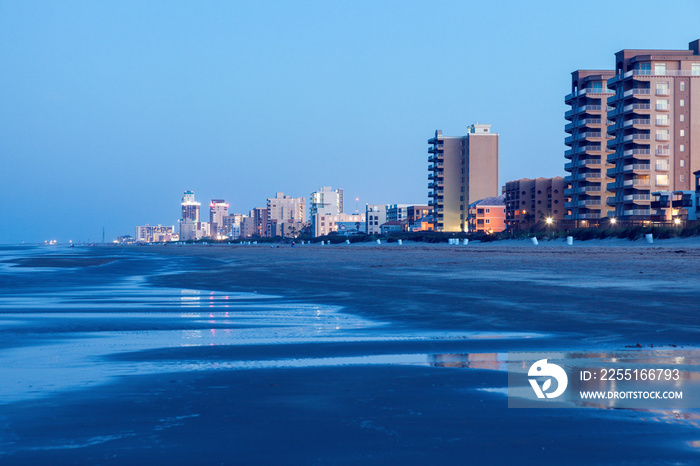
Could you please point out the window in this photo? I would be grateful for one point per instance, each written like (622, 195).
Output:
(488, 211)
(489, 221)
(662, 135)
(662, 164)
(682, 178)
(695, 69)
(682, 117)
(682, 133)
(645, 68)
(682, 148)
(682, 85)
(662, 88)
(662, 120)
(662, 180)
(662, 104)
(682, 163)
(659, 68)
(682, 102)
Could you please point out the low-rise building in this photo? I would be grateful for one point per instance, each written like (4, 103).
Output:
(487, 215)
(155, 234)
(376, 216)
(325, 224)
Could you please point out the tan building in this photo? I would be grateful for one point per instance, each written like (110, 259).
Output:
(529, 202)
(588, 135)
(325, 224)
(461, 169)
(656, 130)
(285, 214)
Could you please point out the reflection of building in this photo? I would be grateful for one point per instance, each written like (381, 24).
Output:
(155, 234)
(218, 209)
(588, 151)
(531, 201)
(462, 169)
(285, 215)
(487, 215)
(376, 216)
(325, 224)
(655, 126)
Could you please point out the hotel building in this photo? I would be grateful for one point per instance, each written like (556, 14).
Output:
(376, 217)
(488, 215)
(461, 170)
(588, 135)
(285, 215)
(325, 201)
(218, 210)
(655, 111)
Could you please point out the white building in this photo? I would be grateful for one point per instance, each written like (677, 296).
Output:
(376, 216)
(218, 209)
(155, 234)
(324, 224)
(285, 213)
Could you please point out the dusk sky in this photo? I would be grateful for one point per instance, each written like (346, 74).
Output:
(110, 110)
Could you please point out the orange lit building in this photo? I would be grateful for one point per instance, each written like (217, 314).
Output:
(487, 215)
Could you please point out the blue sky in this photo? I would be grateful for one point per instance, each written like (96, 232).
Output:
(110, 110)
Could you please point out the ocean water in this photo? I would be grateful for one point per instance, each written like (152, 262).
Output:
(71, 317)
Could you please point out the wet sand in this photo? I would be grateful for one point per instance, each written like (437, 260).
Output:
(413, 379)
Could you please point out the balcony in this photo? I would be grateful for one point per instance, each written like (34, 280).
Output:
(636, 121)
(631, 107)
(636, 197)
(637, 152)
(636, 167)
(663, 122)
(665, 91)
(662, 107)
(662, 167)
(682, 203)
(436, 148)
(663, 152)
(632, 212)
(639, 136)
(637, 91)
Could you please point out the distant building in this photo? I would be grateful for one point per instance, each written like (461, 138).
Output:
(376, 216)
(396, 212)
(350, 228)
(255, 226)
(126, 239)
(325, 201)
(531, 201)
(417, 212)
(487, 215)
(325, 224)
(285, 214)
(218, 209)
(462, 169)
(233, 225)
(393, 226)
(154, 234)
(190, 208)
(193, 231)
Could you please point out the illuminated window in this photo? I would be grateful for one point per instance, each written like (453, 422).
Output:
(682, 102)
(682, 133)
(682, 149)
(682, 85)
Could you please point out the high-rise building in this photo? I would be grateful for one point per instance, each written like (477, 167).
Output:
(233, 225)
(256, 224)
(533, 201)
(285, 215)
(588, 151)
(461, 170)
(190, 208)
(325, 201)
(218, 209)
(656, 114)
(190, 226)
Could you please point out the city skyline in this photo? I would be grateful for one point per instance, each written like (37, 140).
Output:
(111, 111)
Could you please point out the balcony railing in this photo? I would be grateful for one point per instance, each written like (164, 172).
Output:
(636, 121)
(636, 212)
(637, 91)
(663, 152)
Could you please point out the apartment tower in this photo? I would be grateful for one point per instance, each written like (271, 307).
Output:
(461, 170)
(588, 151)
(656, 127)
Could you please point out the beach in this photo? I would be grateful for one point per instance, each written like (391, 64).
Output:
(342, 354)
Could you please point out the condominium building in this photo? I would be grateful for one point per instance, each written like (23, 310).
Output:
(655, 111)
(529, 202)
(461, 170)
(155, 234)
(488, 215)
(588, 135)
(285, 213)
(325, 201)
(233, 225)
(218, 209)
(190, 208)
(376, 216)
(325, 224)
(397, 212)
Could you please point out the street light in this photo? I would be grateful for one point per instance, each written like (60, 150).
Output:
(613, 221)
(677, 221)
(549, 220)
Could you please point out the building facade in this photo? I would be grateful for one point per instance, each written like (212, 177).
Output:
(529, 202)
(326, 224)
(155, 234)
(461, 170)
(190, 208)
(285, 213)
(655, 111)
(487, 215)
(376, 216)
(588, 151)
(325, 201)
(218, 209)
